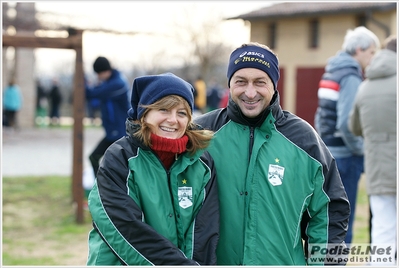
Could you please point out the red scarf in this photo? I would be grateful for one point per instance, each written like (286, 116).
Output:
(167, 149)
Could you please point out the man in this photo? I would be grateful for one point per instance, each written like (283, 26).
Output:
(373, 117)
(278, 183)
(337, 90)
(113, 94)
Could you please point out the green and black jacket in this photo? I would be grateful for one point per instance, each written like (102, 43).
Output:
(279, 187)
(144, 214)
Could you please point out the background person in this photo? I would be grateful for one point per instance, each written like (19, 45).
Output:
(155, 198)
(200, 95)
(55, 100)
(374, 117)
(337, 89)
(213, 95)
(278, 183)
(112, 91)
(41, 103)
(12, 104)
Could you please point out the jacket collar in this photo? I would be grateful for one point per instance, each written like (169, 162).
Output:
(235, 114)
(132, 127)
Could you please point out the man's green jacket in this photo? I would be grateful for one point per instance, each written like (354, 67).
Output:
(279, 188)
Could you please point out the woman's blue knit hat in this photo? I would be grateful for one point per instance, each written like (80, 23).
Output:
(151, 88)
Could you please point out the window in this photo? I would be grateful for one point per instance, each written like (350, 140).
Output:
(361, 20)
(314, 33)
(272, 35)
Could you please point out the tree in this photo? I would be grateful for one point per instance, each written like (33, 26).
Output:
(204, 50)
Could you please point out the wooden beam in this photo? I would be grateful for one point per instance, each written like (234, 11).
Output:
(71, 42)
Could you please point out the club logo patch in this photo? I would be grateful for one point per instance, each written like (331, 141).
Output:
(276, 174)
(185, 197)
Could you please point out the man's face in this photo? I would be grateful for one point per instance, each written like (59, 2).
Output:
(102, 76)
(364, 56)
(252, 90)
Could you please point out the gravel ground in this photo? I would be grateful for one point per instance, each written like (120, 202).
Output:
(43, 151)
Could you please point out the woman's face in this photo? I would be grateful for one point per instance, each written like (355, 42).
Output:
(168, 123)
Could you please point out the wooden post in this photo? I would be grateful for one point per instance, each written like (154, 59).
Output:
(78, 114)
(74, 41)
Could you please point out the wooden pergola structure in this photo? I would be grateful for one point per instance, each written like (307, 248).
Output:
(73, 41)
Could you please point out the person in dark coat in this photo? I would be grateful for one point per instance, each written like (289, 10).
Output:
(55, 99)
(112, 91)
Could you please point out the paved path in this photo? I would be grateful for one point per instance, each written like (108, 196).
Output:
(43, 151)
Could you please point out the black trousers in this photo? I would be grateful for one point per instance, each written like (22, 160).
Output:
(10, 118)
(98, 153)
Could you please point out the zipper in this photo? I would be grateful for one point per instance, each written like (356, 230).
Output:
(251, 144)
(169, 187)
(251, 141)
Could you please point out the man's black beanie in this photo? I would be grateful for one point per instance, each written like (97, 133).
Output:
(101, 64)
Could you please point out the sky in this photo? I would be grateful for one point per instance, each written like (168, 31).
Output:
(155, 21)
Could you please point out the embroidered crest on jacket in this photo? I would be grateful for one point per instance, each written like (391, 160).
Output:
(275, 174)
(185, 196)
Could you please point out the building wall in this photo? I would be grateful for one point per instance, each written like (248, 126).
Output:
(4, 70)
(294, 53)
(25, 62)
(20, 63)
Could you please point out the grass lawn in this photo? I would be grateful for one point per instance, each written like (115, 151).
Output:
(361, 233)
(39, 225)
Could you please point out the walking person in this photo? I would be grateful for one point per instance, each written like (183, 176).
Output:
(279, 187)
(374, 117)
(41, 100)
(12, 104)
(155, 199)
(336, 93)
(112, 91)
(55, 100)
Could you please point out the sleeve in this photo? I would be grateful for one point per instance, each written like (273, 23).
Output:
(317, 212)
(107, 89)
(354, 123)
(349, 88)
(338, 209)
(206, 233)
(118, 219)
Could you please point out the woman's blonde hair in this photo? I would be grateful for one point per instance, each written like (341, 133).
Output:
(197, 138)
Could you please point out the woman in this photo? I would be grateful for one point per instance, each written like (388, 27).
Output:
(12, 104)
(155, 198)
